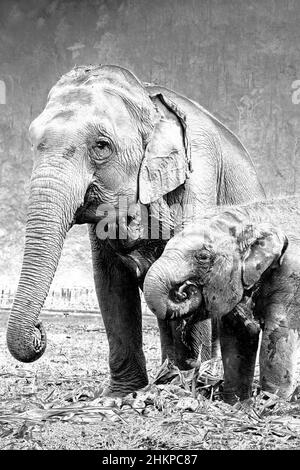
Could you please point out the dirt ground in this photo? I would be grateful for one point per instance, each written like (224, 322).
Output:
(55, 403)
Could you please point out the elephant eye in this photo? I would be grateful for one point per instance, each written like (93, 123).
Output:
(203, 256)
(102, 148)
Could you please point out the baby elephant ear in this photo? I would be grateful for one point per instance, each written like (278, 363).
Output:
(167, 155)
(261, 246)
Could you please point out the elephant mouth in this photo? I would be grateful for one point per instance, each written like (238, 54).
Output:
(183, 292)
(186, 300)
(87, 214)
(124, 227)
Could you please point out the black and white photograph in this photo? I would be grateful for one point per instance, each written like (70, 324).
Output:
(149, 227)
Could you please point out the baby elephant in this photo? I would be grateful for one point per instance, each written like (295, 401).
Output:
(245, 274)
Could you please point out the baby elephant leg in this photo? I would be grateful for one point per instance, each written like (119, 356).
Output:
(239, 337)
(279, 357)
(279, 307)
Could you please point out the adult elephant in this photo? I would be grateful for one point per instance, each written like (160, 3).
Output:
(102, 136)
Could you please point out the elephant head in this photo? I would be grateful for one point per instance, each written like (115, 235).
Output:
(206, 269)
(101, 137)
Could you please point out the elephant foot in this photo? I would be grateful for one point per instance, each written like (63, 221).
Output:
(230, 398)
(121, 389)
(186, 364)
(233, 396)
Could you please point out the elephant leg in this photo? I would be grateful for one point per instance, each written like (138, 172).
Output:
(190, 338)
(239, 346)
(279, 356)
(279, 307)
(215, 340)
(166, 340)
(119, 301)
(182, 341)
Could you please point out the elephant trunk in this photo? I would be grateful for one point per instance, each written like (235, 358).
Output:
(52, 205)
(168, 291)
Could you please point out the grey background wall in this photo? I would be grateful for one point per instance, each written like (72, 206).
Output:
(238, 58)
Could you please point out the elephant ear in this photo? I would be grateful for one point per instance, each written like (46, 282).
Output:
(223, 289)
(167, 156)
(262, 247)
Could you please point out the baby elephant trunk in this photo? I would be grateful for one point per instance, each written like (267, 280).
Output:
(168, 291)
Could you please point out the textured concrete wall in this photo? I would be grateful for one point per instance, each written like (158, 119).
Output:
(240, 59)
